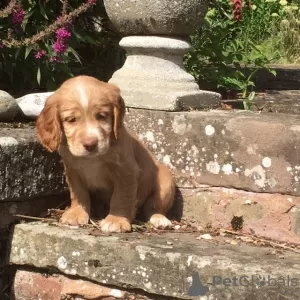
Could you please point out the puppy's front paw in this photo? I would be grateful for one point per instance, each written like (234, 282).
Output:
(75, 216)
(115, 224)
(160, 221)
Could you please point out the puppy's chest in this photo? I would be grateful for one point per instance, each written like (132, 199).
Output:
(95, 174)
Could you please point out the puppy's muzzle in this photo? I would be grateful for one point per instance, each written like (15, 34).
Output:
(90, 144)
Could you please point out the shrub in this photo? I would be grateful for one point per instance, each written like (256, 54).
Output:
(39, 38)
(231, 47)
(286, 39)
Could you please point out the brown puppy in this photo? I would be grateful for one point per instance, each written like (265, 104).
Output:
(83, 120)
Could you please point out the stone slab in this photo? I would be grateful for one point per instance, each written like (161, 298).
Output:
(278, 101)
(243, 150)
(136, 97)
(158, 264)
(26, 170)
(287, 78)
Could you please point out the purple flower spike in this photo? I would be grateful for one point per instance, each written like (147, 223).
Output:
(18, 16)
(63, 33)
(61, 44)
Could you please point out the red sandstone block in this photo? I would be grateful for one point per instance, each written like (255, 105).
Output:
(36, 286)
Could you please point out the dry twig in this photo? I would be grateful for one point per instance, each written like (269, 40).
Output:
(258, 239)
(34, 218)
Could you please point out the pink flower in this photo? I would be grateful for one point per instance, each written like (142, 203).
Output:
(18, 16)
(55, 59)
(62, 38)
(1, 45)
(92, 2)
(237, 9)
(60, 46)
(39, 54)
(63, 33)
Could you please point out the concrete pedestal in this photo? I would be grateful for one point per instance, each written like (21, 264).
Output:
(154, 77)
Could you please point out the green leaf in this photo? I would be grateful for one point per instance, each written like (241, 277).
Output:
(273, 72)
(27, 51)
(90, 40)
(50, 84)
(66, 69)
(38, 76)
(76, 55)
(235, 83)
(251, 96)
(17, 53)
(10, 74)
(84, 37)
(246, 105)
(26, 19)
(42, 9)
(78, 36)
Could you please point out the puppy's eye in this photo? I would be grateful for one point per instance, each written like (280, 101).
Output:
(70, 119)
(101, 116)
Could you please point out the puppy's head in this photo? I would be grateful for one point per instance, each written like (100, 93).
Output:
(84, 113)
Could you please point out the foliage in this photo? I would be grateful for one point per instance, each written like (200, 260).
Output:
(285, 39)
(238, 38)
(38, 40)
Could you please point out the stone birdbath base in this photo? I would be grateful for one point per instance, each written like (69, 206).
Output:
(153, 76)
(155, 35)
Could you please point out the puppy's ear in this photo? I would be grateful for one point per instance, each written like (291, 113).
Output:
(48, 125)
(119, 113)
(118, 109)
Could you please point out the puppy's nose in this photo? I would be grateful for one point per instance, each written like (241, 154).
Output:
(90, 144)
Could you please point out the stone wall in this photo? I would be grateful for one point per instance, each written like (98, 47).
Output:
(226, 164)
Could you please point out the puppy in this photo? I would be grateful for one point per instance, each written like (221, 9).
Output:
(83, 121)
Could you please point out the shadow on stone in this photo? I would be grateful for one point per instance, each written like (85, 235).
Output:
(197, 288)
(176, 212)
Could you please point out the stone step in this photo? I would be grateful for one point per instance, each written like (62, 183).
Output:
(229, 150)
(243, 150)
(239, 149)
(271, 101)
(278, 101)
(27, 170)
(160, 266)
(272, 216)
(287, 78)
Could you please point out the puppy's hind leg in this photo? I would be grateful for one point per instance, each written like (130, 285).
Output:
(161, 200)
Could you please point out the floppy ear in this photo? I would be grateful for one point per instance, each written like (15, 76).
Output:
(119, 113)
(118, 109)
(48, 125)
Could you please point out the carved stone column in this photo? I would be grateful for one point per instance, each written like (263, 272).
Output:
(156, 34)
